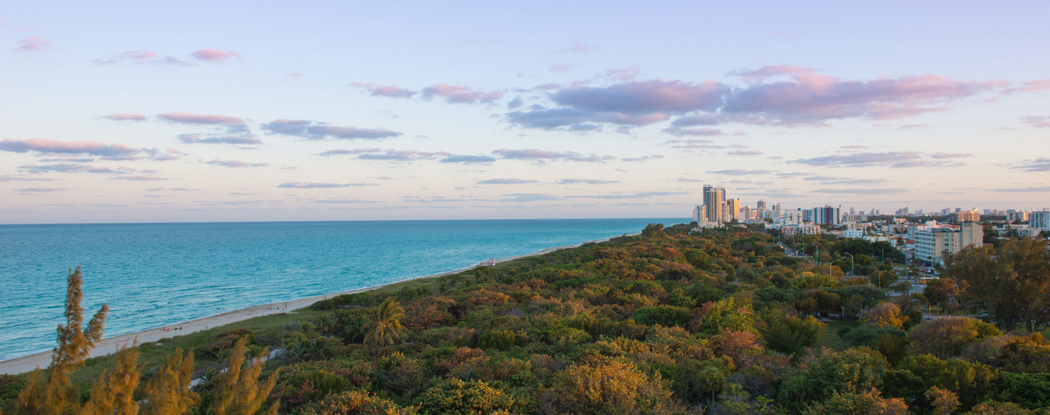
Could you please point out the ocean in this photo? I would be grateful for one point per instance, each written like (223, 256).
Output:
(153, 275)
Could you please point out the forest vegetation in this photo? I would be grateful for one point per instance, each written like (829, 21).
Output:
(666, 322)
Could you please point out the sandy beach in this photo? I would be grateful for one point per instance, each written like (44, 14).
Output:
(110, 345)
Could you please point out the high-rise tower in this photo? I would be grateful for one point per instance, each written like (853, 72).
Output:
(714, 202)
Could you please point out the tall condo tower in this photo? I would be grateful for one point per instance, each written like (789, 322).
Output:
(714, 202)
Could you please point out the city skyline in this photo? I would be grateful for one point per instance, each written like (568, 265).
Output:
(334, 111)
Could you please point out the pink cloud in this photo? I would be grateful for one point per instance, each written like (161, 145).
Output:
(559, 68)
(460, 94)
(1037, 121)
(235, 163)
(316, 131)
(35, 44)
(644, 97)
(537, 154)
(125, 117)
(1030, 86)
(136, 56)
(45, 146)
(622, 74)
(950, 155)
(205, 119)
(698, 132)
(805, 98)
(219, 139)
(760, 74)
(213, 56)
(577, 47)
(390, 91)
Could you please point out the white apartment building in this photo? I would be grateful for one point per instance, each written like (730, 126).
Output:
(932, 245)
(1039, 220)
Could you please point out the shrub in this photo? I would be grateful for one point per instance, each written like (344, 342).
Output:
(222, 342)
(356, 403)
(10, 385)
(664, 315)
(947, 337)
(609, 386)
(497, 339)
(456, 397)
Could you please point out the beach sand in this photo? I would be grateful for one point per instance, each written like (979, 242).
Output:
(110, 345)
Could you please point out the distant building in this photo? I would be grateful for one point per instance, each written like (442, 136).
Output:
(1013, 216)
(732, 210)
(967, 216)
(761, 204)
(932, 245)
(714, 203)
(1039, 220)
(826, 215)
(746, 214)
(1029, 232)
(799, 230)
(698, 212)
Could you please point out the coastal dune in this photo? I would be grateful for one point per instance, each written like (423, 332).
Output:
(110, 345)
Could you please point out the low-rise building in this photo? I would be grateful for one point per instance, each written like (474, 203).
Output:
(799, 230)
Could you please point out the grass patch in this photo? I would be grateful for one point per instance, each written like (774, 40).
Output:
(153, 354)
(832, 340)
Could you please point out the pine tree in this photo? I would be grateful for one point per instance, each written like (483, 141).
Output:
(168, 392)
(240, 391)
(52, 392)
(115, 394)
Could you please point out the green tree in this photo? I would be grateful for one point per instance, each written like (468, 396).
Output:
(947, 337)
(789, 334)
(1011, 282)
(850, 371)
(385, 326)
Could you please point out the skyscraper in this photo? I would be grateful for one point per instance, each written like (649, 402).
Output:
(714, 202)
(732, 210)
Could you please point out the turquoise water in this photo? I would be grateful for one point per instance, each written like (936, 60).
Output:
(157, 274)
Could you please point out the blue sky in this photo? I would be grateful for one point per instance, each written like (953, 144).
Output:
(203, 111)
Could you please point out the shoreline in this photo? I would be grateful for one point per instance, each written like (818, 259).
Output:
(110, 345)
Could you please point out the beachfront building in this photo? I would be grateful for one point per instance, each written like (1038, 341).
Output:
(932, 245)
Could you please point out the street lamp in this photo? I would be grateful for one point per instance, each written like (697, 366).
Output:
(850, 263)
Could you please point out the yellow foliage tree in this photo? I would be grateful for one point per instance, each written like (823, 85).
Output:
(168, 392)
(52, 392)
(115, 394)
(886, 315)
(240, 391)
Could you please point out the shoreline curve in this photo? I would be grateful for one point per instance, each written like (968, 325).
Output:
(110, 345)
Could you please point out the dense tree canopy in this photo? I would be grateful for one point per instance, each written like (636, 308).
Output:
(720, 321)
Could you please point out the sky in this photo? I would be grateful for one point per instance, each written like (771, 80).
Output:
(264, 111)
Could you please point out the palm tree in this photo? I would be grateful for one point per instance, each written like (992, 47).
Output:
(385, 326)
